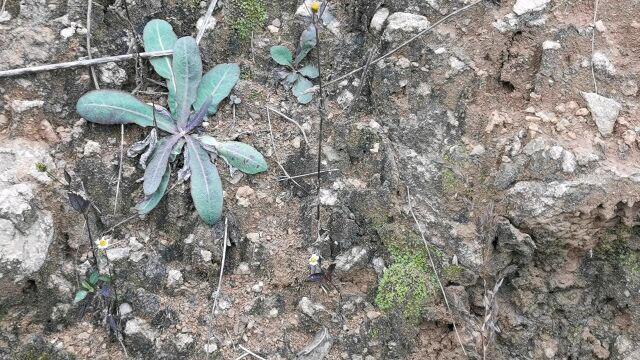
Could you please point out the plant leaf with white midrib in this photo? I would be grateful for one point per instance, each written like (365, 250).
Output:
(158, 164)
(187, 68)
(206, 187)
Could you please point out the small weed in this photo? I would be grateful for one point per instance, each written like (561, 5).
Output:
(188, 89)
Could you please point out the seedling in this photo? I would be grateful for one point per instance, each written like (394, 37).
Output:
(96, 283)
(192, 97)
(291, 75)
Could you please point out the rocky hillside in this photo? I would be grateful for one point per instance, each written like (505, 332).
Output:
(482, 201)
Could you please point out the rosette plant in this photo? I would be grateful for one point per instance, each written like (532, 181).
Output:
(192, 97)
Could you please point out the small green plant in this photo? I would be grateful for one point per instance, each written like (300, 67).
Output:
(96, 283)
(291, 76)
(187, 89)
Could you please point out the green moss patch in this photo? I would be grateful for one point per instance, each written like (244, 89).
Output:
(408, 284)
(246, 16)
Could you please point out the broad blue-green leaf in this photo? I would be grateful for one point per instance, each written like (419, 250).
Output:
(187, 69)
(307, 42)
(158, 164)
(217, 83)
(206, 187)
(292, 78)
(310, 71)
(300, 90)
(282, 55)
(242, 157)
(118, 107)
(150, 202)
(158, 35)
(80, 295)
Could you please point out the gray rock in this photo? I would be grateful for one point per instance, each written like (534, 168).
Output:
(25, 231)
(602, 64)
(400, 24)
(378, 19)
(357, 256)
(111, 73)
(522, 7)
(140, 326)
(318, 348)
(604, 112)
(25, 105)
(568, 162)
(174, 278)
(311, 309)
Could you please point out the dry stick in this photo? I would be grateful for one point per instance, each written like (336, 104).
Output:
(322, 116)
(242, 356)
(404, 43)
(275, 152)
(361, 85)
(251, 353)
(435, 271)
(593, 45)
(215, 299)
(285, 178)
(207, 16)
(87, 62)
(304, 135)
(93, 70)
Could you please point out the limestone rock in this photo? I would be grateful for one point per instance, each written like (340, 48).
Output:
(522, 7)
(604, 111)
(400, 25)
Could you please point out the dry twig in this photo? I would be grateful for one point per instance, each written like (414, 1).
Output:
(355, 71)
(593, 45)
(435, 271)
(304, 135)
(275, 153)
(217, 294)
(251, 353)
(207, 16)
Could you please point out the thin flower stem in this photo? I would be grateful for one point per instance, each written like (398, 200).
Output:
(322, 115)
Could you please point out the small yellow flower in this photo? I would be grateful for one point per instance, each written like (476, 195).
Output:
(315, 6)
(103, 243)
(313, 260)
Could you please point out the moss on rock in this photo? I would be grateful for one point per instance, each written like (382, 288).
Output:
(407, 285)
(246, 16)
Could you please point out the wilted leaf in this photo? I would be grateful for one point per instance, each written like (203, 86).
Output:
(242, 157)
(206, 187)
(307, 42)
(300, 90)
(187, 69)
(310, 71)
(150, 202)
(138, 147)
(78, 202)
(217, 83)
(282, 55)
(118, 107)
(317, 277)
(80, 295)
(158, 164)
